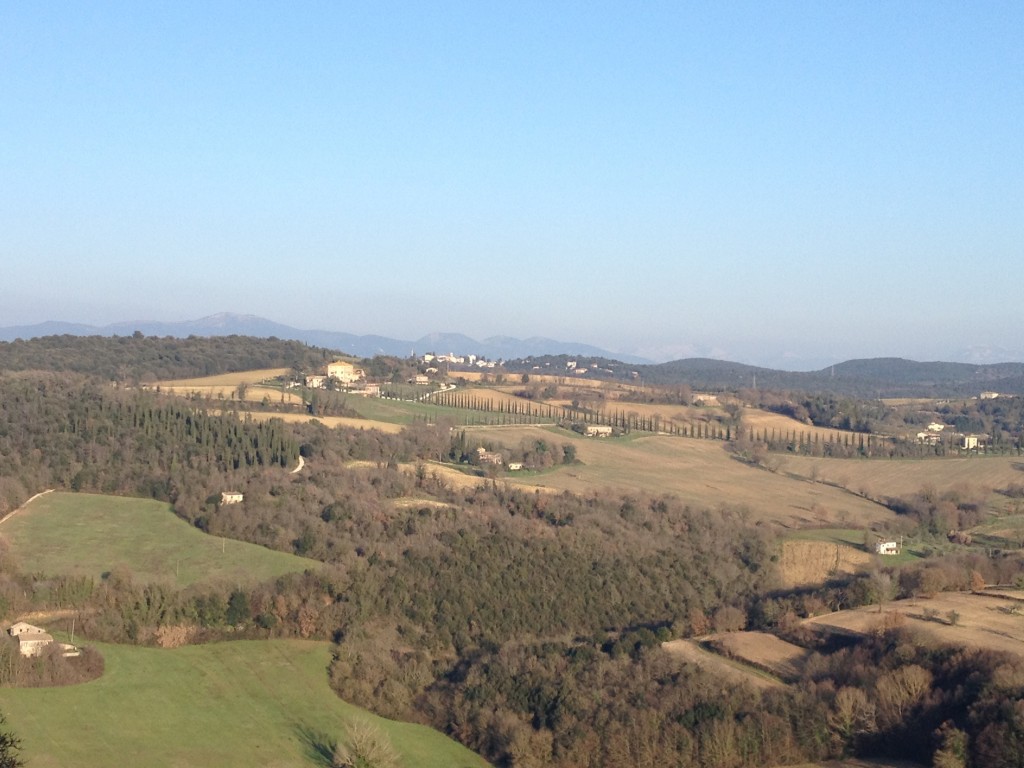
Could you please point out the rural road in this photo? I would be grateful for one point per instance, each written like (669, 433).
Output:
(302, 463)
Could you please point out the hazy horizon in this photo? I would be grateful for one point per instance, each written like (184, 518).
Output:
(766, 359)
(796, 182)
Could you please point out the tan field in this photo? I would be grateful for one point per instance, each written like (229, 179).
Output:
(812, 562)
(755, 418)
(253, 393)
(984, 621)
(684, 414)
(903, 477)
(701, 472)
(330, 421)
(225, 379)
(497, 395)
(735, 672)
(763, 650)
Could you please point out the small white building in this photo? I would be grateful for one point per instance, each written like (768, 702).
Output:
(989, 395)
(598, 430)
(970, 442)
(231, 497)
(887, 547)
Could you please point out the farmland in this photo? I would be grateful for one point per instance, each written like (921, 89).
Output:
(239, 703)
(82, 534)
(990, 621)
(701, 471)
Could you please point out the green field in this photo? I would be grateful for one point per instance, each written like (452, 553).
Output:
(83, 534)
(245, 703)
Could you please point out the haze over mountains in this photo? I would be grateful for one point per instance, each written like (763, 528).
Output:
(997, 362)
(227, 323)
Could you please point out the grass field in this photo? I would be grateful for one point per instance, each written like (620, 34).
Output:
(245, 703)
(904, 477)
(700, 471)
(88, 535)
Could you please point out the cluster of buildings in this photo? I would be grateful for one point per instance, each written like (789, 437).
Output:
(344, 375)
(933, 436)
(471, 360)
(33, 641)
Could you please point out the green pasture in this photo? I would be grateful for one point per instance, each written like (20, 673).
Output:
(406, 412)
(83, 534)
(243, 703)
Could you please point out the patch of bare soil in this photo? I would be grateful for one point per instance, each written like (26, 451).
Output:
(763, 651)
(952, 618)
(733, 671)
(813, 562)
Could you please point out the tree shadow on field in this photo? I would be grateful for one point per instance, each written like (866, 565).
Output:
(318, 746)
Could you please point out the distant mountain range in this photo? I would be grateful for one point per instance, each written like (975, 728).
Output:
(228, 324)
(877, 377)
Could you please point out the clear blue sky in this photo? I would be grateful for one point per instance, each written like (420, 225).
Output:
(763, 181)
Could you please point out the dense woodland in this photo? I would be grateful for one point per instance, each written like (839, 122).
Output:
(526, 625)
(137, 358)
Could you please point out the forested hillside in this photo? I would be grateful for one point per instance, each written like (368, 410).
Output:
(525, 624)
(131, 359)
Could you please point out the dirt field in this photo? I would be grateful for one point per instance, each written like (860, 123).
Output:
(225, 379)
(767, 651)
(812, 562)
(733, 671)
(984, 621)
(330, 421)
(700, 471)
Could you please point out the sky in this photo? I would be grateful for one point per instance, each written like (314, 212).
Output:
(781, 183)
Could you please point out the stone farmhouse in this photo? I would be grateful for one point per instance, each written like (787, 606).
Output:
(33, 641)
(488, 457)
(344, 372)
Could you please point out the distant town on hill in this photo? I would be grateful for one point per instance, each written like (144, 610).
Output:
(876, 377)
